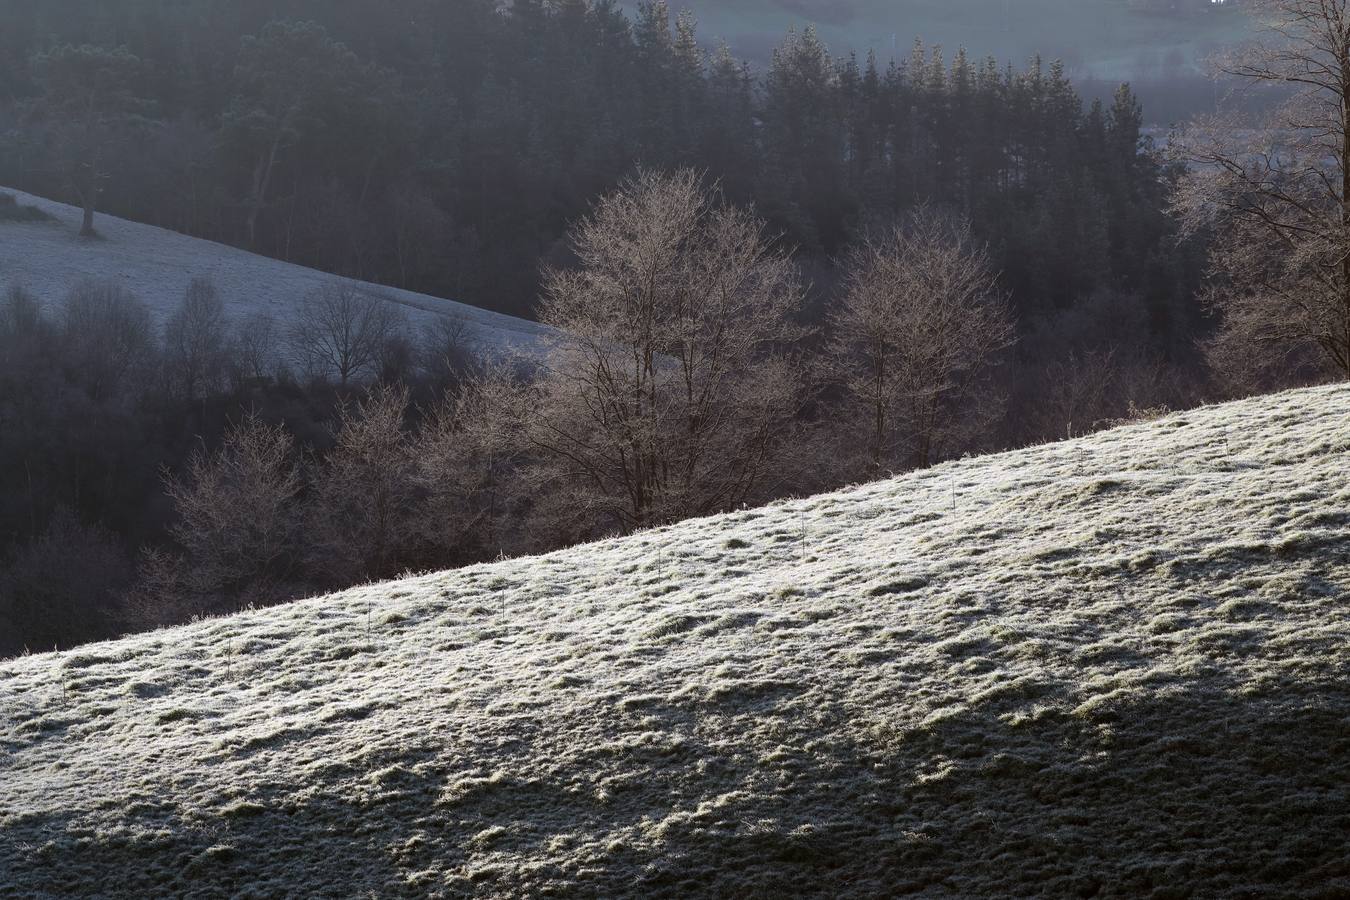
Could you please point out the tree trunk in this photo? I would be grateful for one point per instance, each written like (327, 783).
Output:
(87, 187)
(1345, 210)
(879, 418)
(87, 228)
(262, 179)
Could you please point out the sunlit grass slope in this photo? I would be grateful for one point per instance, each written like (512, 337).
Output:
(1116, 667)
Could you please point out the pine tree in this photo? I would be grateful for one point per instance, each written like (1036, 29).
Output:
(657, 82)
(89, 96)
(728, 144)
(690, 83)
(802, 137)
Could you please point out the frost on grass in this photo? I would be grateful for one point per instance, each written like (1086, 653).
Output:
(1114, 667)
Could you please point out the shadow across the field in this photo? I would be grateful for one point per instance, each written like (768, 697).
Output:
(1191, 789)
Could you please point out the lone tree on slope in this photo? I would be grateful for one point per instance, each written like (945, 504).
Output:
(89, 99)
(1277, 193)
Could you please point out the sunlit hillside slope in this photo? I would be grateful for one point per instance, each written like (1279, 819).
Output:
(1115, 667)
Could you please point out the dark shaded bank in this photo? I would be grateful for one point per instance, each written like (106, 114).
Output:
(1195, 790)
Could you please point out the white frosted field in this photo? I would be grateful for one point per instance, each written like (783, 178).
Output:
(1114, 667)
(49, 258)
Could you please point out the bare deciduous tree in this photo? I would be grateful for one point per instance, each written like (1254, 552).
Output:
(1277, 192)
(671, 390)
(446, 349)
(342, 332)
(108, 338)
(466, 457)
(195, 343)
(362, 514)
(920, 323)
(237, 517)
(253, 353)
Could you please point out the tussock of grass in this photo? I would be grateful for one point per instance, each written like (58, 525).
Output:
(899, 586)
(1118, 667)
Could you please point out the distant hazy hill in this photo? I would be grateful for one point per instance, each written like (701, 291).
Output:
(1102, 38)
(49, 258)
(1115, 667)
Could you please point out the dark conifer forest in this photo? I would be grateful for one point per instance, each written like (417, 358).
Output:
(445, 146)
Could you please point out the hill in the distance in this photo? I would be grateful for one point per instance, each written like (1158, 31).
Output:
(49, 258)
(1117, 667)
(1111, 39)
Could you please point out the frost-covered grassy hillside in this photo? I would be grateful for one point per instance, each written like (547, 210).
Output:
(1113, 667)
(49, 258)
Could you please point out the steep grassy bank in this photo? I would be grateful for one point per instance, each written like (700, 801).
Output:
(1118, 666)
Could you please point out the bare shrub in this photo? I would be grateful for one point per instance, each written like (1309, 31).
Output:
(1071, 394)
(254, 350)
(447, 349)
(1256, 351)
(467, 458)
(237, 510)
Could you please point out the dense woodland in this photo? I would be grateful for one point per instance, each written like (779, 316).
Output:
(460, 149)
(445, 147)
